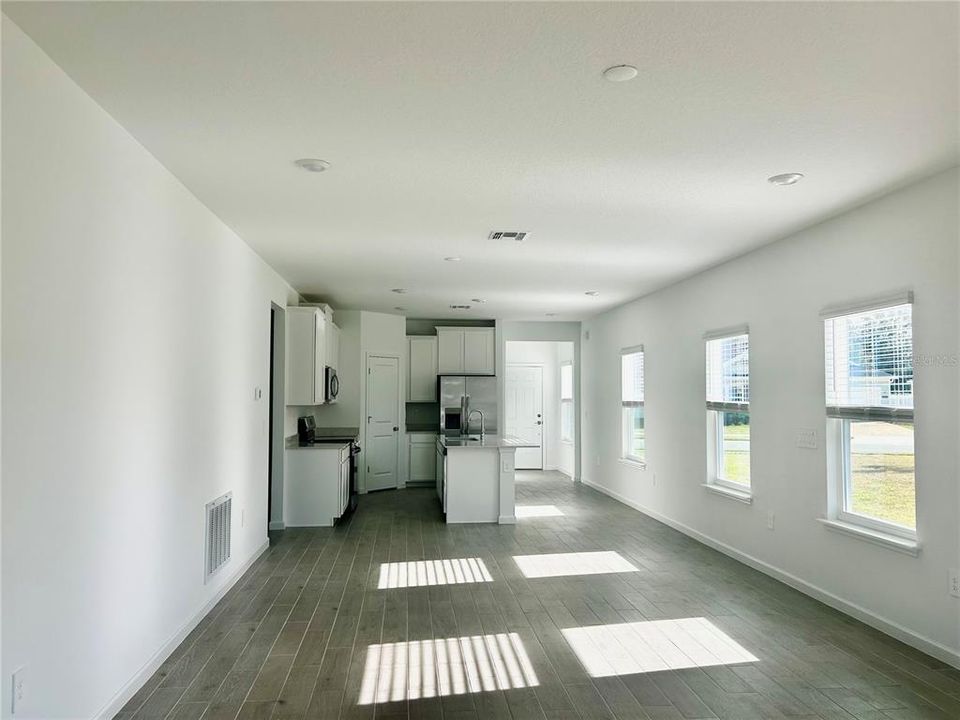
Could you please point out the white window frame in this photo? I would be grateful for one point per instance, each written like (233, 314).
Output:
(715, 479)
(567, 402)
(838, 424)
(632, 404)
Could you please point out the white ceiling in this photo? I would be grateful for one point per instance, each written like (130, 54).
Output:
(444, 121)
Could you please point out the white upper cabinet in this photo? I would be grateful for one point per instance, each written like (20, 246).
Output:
(422, 369)
(305, 355)
(470, 351)
(450, 350)
(332, 340)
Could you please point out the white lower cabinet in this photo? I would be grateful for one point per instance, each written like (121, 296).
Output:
(422, 462)
(316, 485)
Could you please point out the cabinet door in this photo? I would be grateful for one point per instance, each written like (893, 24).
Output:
(344, 485)
(423, 466)
(333, 345)
(422, 370)
(439, 473)
(450, 351)
(301, 355)
(478, 351)
(319, 358)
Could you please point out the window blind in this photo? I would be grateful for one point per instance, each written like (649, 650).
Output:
(631, 378)
(869, 363)
(728, 373)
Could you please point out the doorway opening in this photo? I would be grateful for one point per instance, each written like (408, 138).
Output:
(276, 419)
(539, 406)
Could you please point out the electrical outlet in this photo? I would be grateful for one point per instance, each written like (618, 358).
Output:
(257, 393)
(771, 520)
(955, 583)
(17, 690)
(243, 517)
(654, 476)
(807, 439)
(598, 461)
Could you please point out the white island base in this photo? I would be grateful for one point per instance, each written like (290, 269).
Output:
(476, 484)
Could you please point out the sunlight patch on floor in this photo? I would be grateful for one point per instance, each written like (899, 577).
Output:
(394, 672)
(654, 646)
(537, 511)
(418, 573)
(582, 563)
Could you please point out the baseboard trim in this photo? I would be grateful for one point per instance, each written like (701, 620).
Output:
(114, 705)
(277, 525)
(507, 520)
(868, 617)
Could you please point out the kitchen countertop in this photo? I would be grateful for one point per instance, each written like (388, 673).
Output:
(293, 443)
(435, 429)
(487, 442)
(346, 432)
(336, 438)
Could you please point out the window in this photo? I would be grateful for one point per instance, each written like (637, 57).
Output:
(869, 407)
(728, 410)
(566, 402)
(631, 405)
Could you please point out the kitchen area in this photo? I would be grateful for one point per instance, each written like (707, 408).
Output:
(430, 421)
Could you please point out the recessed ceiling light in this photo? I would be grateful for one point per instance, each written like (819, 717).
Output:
(785, 179)
(453, 258)
(592, 293)
(399, 291)
(312, 164)
(478, 301)
(620, 73)
(550, 314)
(401, 309)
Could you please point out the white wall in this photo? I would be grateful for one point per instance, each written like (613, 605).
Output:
(135, 329)
(908, 239)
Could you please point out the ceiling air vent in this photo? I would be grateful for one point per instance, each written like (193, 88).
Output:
(460, 307)
(508, 235)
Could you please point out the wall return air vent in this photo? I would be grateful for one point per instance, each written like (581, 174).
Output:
(217, 552)
(519, 236)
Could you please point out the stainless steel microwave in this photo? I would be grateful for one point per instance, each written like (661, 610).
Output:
(331, 385)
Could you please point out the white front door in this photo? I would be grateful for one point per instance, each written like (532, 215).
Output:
(383, 422)
(524, 413)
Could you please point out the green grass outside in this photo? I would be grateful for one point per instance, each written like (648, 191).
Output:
(884, 487)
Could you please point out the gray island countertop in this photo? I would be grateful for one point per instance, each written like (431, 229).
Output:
(487, 442)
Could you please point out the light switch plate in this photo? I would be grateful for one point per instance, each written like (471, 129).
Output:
(955, 582)
(807, 439)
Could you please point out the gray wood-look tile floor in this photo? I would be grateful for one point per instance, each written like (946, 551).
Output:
(309, 633)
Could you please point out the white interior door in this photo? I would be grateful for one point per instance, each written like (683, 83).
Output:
(524, 413)
(383, 422)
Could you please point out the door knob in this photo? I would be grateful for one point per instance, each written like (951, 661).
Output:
(539, 423)
(395, 428)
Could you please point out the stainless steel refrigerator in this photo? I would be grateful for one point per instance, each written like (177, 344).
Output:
(459, 395)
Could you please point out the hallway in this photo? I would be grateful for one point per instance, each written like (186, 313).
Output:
(586, 608)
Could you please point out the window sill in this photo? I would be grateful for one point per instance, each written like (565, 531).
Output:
(640, 464)
(892, 542)
(743, 496)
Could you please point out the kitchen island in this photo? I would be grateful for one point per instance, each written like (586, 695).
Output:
(475, 478)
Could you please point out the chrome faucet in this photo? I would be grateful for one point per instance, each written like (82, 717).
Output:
(483, 429)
